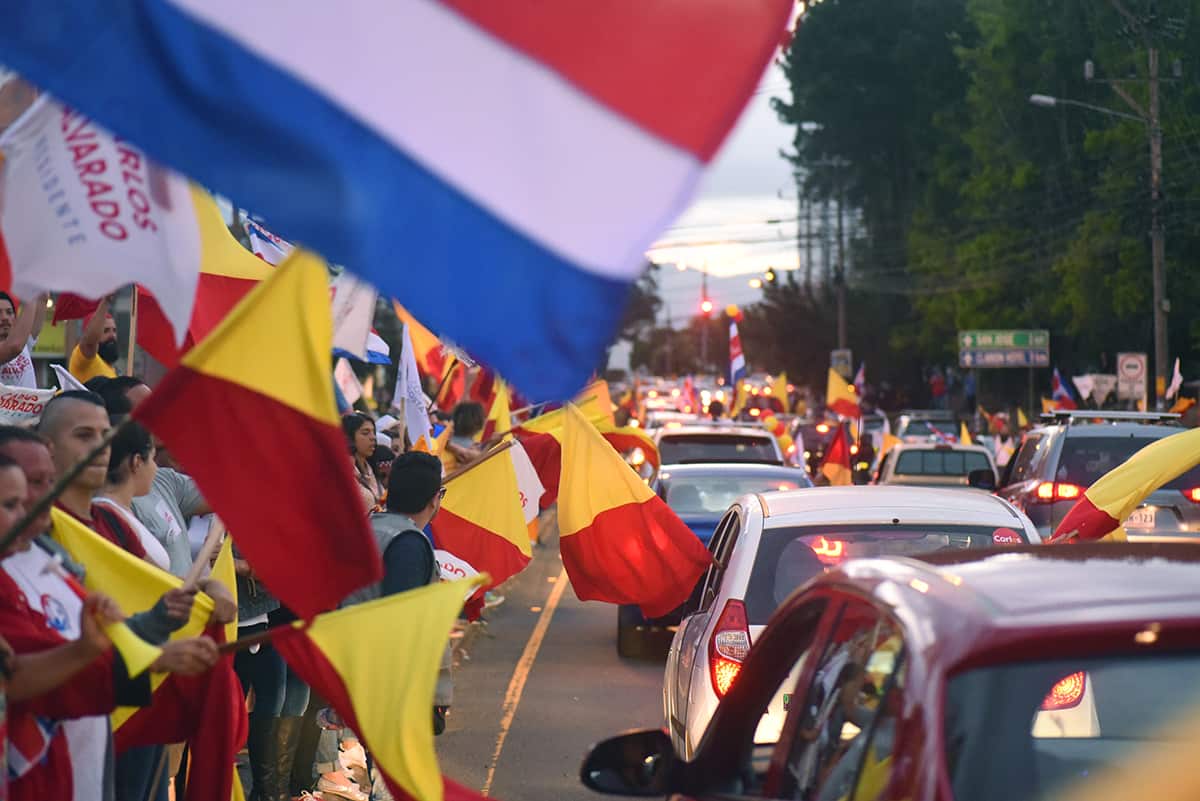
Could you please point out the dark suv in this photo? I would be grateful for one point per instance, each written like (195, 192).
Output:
(1059, 459)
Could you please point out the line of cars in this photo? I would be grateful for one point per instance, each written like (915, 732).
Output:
(913, 640)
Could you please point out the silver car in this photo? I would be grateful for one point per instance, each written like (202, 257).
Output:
(769, 544)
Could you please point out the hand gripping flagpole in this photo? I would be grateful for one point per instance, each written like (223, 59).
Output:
(64, 481)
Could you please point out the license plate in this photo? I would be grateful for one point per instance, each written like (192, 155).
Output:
(1141, 518)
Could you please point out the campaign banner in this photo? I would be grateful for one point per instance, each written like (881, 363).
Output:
(84, 211)
(20, 406)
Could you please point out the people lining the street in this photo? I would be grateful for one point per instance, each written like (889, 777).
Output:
(131, 471)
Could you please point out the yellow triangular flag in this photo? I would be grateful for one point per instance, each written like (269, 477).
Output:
(964, 436)
(1022, 420)
(223, 571)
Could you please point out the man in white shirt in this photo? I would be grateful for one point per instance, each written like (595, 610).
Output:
(18, 334)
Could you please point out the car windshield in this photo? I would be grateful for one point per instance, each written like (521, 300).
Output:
(686, 448)
(713, 494)
(940, 463)
(1033, 730)
(1085, 459)
(789, 556)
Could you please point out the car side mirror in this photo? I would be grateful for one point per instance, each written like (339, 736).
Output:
(638, 763)
(983, 478)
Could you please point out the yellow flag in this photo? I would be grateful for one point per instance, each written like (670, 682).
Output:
(135, 584)
(1022, 420)
(741, 395)
(596, 392)
(224, 572)
(779, 390)
(964, 436)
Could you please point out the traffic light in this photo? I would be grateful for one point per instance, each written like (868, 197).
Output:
(706, 306)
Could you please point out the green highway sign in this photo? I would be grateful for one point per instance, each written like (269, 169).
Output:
(1004, 340)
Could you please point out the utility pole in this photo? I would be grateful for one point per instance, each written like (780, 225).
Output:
(808, 246)
(840, 278)
(705, 307)
(1140, 27)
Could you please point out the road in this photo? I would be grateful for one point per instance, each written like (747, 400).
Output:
(538, 685)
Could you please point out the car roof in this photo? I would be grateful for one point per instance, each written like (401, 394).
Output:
(886, 504)
(1112, 429)
(729, 469)
(1035, 585)
(938, 446)
(714, 430)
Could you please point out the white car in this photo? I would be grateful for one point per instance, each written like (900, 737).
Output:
(693, 443)
(769, 544)
(930, 465)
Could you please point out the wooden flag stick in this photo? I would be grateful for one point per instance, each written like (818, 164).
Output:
(212, 541)
(64, 481)
(499, 449)
(133, 326)
(242, 643)
(447, 374)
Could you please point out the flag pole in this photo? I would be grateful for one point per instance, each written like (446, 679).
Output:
(446, 375)
(496, 451)
(133, 326)
(64, 481)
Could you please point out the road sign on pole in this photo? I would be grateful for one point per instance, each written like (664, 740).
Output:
(1004, 348)
(1131, 376)
(841, 362)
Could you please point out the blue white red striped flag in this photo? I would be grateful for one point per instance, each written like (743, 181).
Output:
(737, 360)
(521, 154)
(1061, 393)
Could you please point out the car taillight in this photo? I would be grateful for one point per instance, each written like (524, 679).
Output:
(829, 551)
(728, 648)
(1067, 693)
(1192, 494)
(1050, 491)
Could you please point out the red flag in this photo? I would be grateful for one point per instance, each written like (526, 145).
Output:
(836, 464)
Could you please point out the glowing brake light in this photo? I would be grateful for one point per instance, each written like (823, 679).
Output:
(755, 412)
(1192, 494)
(1067, 693)
(1049, 491)
(829, 551)
(822, 428)
(728, 647)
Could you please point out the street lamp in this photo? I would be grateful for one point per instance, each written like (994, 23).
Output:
(1148, 117)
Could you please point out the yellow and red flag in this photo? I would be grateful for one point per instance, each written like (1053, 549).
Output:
(294, 510)
(207, 710)
(486, 514)
(596, 397)
(427, 348)
(779, 388)
(741, 396)
(627, 438)
(619, 541)
(1114, 496)
(377, 664)
(836, 464)
(840, 397)
(499, 416)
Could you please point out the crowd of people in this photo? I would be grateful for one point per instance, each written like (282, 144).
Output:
(64, 678)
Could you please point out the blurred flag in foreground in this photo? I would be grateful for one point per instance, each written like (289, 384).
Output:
(615, 125)
(620, 542)
(294, 511)
(377, 664)
(86, 212)
(1114, 496)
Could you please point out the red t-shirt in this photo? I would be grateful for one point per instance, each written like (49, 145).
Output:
(108, 524)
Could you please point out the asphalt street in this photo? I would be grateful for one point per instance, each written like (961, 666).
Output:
(538, 684)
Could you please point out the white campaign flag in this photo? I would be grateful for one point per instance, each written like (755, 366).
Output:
(408, 390)
(353, 312)
(264, 244)
(1176, 381)
(83, 211)
(528, 484)
(66, 381)
(20, 406)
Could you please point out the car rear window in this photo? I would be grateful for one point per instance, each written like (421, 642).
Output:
(940, 463)
(789, 556)
(1085, 459)
(1035, 730)
(712, 495)
(687, 448)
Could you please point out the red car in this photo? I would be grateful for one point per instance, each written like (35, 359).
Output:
(1008, 675)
